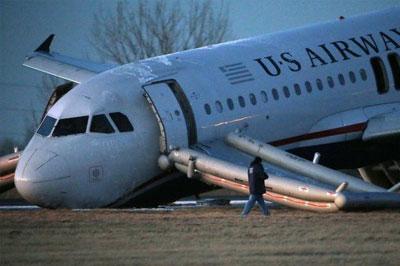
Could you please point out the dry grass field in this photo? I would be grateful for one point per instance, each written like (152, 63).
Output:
(199, 236)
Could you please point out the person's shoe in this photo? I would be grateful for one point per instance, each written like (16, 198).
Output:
(267, 214)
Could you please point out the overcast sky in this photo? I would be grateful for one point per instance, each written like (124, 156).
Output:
(25, 24)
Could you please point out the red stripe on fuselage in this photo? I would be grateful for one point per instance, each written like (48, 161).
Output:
(321, 134)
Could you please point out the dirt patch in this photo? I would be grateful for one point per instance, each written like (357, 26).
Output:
(198, 236)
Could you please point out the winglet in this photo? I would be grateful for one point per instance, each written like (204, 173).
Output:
(45, 46)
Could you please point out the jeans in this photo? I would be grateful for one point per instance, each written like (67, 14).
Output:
(250, 204)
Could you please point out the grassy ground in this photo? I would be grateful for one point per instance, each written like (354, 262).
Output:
(198, 236)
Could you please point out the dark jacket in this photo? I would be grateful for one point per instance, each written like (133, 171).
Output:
(256, 177)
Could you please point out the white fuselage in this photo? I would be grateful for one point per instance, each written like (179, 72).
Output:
(300, 88)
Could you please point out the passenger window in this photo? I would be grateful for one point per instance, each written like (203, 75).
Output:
(230, 104)
(394, 60)
(382, 83)
(341, 79)
(363, 74)
(253, 99)
(352, 77)
(331, 83)
(47, 126)
(242, 103)
(286, 92)
(320, 86)
(275, 94)
(207, 108)
(100, 124)
(297, 89)
(264, 96)
(218, 106)
(308, 86)
(121, 121)
(71, 126)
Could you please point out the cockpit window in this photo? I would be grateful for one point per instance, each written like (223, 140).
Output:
(71, 126)
(121, 121)
(46, 126)
(100, 124)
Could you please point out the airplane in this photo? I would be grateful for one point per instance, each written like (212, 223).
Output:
(153, 131)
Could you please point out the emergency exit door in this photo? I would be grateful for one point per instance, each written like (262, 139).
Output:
(170, 117)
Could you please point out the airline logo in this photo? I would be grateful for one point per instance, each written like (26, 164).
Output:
(332, 52)
(236, 73)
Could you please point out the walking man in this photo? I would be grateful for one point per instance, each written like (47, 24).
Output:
(256, 176)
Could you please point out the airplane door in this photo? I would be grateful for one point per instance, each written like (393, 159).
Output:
(171, 119)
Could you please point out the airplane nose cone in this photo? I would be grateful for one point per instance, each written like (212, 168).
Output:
(40, 178)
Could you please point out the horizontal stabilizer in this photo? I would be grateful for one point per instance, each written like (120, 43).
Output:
(61, 66)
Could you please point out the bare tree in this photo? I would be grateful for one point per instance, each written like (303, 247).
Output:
(155, 28)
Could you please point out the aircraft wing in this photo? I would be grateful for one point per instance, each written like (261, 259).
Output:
(61, 66)
(382, 126)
